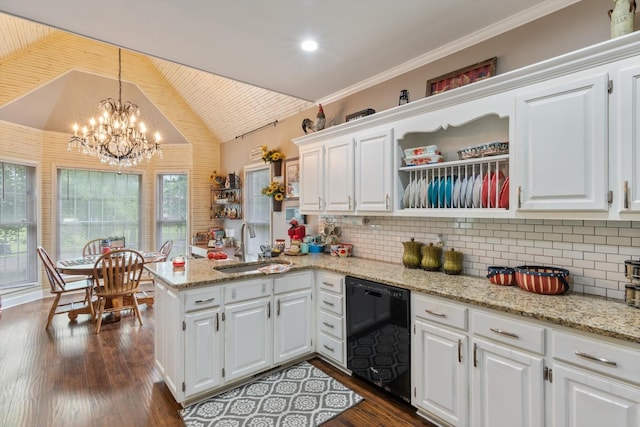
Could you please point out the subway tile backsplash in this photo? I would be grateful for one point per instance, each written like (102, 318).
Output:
(593, 251)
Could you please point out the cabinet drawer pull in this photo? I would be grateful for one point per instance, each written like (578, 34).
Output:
(330, 304)
(475, 355)
(328, 284)
(217, 322)
(269, 310)
(204, 301)
(435, 313)
(349, 198)
(596, 359)
(328, 348)
(319, 203)
(386, 201)
(505, 333)
(459, 351)
(278, 309)
(328, 325)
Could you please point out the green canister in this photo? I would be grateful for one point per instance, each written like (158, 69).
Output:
(412, 256)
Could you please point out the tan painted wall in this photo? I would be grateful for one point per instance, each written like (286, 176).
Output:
(60, 53)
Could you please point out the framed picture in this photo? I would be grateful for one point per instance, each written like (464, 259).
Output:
(292, 178)
(464, 76)
(292, 212)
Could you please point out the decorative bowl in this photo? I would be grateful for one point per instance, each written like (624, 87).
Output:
(542, 280)
(505, 276)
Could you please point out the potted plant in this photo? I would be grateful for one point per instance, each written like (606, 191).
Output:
(273, 156)
(276, 191)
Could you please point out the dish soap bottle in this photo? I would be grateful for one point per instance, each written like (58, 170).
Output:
(411, 256)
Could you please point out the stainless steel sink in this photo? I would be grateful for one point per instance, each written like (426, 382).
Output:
(246, 268)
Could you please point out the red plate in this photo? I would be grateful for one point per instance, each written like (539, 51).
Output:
(503, 201)
(495, 186)
(485, 189)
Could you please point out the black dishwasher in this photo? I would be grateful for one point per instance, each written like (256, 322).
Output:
(378, 335)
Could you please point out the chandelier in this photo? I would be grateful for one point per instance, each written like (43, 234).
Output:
(117, 137)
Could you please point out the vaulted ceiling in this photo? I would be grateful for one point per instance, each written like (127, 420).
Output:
(238, 64)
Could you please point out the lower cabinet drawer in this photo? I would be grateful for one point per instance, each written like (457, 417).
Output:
(434, 310)
(202, 298)
(330, 302)
(330, 324)
(512, 332)
(599, 356)
(331, 347)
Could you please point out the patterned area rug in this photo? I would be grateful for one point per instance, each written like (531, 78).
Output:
(299, 396)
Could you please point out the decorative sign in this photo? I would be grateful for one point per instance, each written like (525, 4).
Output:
(255, 154)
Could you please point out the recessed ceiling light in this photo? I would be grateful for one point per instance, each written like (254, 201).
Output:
(309, 45)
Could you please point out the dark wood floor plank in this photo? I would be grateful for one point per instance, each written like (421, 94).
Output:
(70, 376)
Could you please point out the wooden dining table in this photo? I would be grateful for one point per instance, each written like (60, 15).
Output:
(83, 266)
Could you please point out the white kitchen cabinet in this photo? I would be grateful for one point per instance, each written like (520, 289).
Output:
(339, 175)
(248, 328)
(330, 309)
(629, 137)
(594, 383)
(168, 338)
(561, 128)
(507, 386)
(203, 351)
(585, 399)
(293, 330)
(440, 366)
(348, 174)
(507, 373)
(374, 171)
(312, 178)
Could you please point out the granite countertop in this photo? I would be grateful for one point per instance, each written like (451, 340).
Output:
(592, 314)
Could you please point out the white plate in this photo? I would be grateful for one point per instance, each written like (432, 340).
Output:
(423, 193)
(477, 192)
(462, 201)
(405, 197)
(418, 193)
(456, 193)
(469, 193)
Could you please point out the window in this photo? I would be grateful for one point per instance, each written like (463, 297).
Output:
(18, 232)
(257, 207)
(93, 204)
(171, 221)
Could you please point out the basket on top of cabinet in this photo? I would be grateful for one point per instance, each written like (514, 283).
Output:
(476, 183)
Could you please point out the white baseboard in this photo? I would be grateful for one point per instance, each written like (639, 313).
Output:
(17, 298)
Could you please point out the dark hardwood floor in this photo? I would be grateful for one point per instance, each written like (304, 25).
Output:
(70, 376)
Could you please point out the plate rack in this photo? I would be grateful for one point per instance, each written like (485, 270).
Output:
(463, 184)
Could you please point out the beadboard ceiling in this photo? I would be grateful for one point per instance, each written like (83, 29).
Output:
(238, 64)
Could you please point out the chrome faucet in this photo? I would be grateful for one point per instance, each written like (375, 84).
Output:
(241, 252)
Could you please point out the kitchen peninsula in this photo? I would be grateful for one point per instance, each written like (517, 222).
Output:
(546, 322)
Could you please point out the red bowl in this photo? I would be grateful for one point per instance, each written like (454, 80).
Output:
(501, 275)
(542, 280)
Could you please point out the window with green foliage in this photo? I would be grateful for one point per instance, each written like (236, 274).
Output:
(93, 204)
(18, 232)
(171, 221)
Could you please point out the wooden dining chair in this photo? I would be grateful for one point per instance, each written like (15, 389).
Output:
(59, 287)
(92, 247)
(116, 276)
